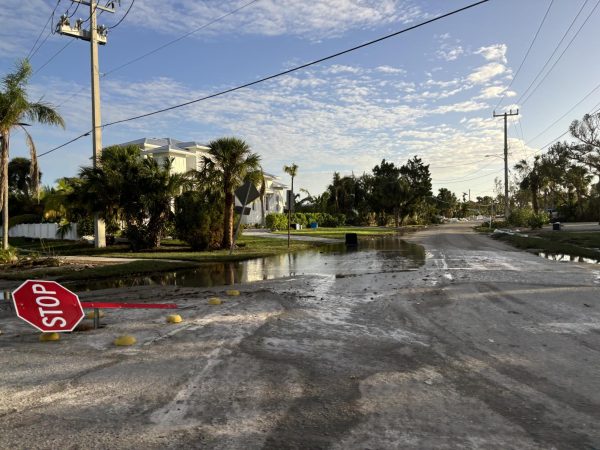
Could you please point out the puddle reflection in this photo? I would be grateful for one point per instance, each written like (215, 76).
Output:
(567, 258)
(381, 254)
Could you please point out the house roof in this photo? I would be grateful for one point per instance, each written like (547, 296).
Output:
(278, 185)
(167, 142)
(170, 149)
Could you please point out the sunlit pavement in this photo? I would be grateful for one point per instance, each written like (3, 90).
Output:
(477, 346)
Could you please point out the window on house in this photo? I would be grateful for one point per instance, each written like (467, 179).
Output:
(267, 198)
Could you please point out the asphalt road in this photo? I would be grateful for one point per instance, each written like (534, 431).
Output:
(482, 347)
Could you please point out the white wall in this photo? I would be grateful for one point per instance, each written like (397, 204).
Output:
(41, 231)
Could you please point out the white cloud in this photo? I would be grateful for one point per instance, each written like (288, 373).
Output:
(495, 92)
(21, 24)
(312, 20)
(339, 68)
(450, 53)
(496, 52)
(390, 69)
(485, 73)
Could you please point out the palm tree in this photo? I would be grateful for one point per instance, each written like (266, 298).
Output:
(133, 190)
(14, 109)
(292, 171)
(232, 158)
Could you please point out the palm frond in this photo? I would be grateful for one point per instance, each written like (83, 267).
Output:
(34, 170)
(44, 113)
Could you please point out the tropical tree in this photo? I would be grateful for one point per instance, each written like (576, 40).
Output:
(587, 132)
(418, 179)
(233, 160)
(126, 188)
(446, 202)
(15, 109)
(533, 178)
(292, 171)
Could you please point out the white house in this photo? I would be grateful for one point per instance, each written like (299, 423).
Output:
(187, 155)
(273, 202)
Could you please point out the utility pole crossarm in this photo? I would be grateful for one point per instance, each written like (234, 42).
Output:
(506, 115)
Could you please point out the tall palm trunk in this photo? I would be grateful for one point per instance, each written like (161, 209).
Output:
(228, 220)
(534, 199)
(263, 190)
(4, 143)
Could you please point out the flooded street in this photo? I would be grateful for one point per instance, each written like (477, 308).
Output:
(450, 340)
(374, 255)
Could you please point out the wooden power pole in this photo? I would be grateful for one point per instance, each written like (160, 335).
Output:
(505, 115)
(95, 35)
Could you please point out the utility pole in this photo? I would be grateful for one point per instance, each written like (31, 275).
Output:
(95, 35)
(505, 115)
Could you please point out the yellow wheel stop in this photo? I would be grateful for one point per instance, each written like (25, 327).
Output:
(174, 318)
(47, 337)
(125, 340)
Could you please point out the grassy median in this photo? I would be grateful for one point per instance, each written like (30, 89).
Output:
(584, 244)
(172, 255)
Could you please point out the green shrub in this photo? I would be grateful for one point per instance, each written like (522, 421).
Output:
(525, 217)
(199, 219)
(85, 226)
(276, 221)
(300, 218)
(538, 220)
(8, 256)
(520, 217)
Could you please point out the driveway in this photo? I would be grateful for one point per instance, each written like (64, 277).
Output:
(482, 346)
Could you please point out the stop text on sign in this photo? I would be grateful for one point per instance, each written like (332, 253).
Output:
(47, 305)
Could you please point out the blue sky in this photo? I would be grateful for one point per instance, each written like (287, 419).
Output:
(430, 92)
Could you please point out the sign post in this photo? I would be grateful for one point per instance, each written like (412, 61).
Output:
(249, 193)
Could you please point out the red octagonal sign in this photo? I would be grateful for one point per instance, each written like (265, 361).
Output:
(47, 306)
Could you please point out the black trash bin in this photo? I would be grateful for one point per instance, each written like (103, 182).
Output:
(556, 226)
(351, 240)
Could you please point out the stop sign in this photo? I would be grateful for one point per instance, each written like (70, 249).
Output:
(47, 306)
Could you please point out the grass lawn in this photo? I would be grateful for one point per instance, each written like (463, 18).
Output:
(340, 232)
(70, 273)
(179, 255)
(250, 247)
(584, 244)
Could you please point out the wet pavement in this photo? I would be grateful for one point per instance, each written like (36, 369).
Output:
(373, 255)
(473, 344)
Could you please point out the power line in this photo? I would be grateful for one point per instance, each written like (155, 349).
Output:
(526, 54)
(51, 58)
(63, 47)
(468, 179)
(31, 52)
(122, 18)
(87, 133)
(294, 69)
(457, 165)
(555, 62)
(474, 172)
(179, 38)
(74, 11)
(565, 114)
(285, 72)
(151, 52)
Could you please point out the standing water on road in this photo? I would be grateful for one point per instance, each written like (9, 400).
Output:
(375, 255)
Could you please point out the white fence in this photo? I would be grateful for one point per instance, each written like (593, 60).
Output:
(42, 231)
